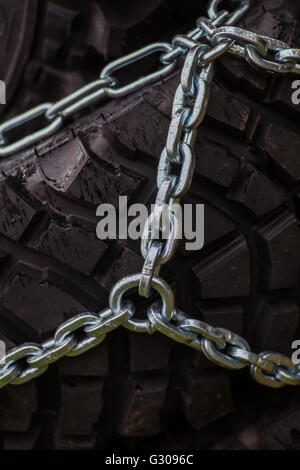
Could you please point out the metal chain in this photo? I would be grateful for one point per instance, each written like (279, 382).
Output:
(87, 330)
(178, 151)
(30, 360)
(105, 87)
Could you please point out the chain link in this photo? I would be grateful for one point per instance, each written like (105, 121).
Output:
(179, 150)
(261, 52)
(75, 336)
(162, 230)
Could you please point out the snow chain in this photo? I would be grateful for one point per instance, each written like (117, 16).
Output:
(87, 330)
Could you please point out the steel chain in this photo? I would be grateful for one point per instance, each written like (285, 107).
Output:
(87, 330)
(179, 150)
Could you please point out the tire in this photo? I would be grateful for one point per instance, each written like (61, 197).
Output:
(145, 391)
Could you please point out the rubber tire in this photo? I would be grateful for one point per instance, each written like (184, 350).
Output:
(143, 391)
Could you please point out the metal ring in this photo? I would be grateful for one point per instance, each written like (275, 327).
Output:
(120, 288)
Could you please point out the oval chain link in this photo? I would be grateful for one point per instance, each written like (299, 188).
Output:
(185, 120)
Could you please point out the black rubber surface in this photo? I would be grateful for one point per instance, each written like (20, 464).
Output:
(138, 391)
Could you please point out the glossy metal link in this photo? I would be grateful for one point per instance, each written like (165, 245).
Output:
(251, 358)
(287, 375)
(184, 180)
(19, 353)
(135, 56)
(271, 380)
(206, 25)
(51, 352)
(175, 133)
(108, 321)
(150, 268)
(64, 343)
(214, 354)
(288, 55)
(182, 129)
(184, 41)
(198, 113)
(286, 60)
(161, 202)
(7, 375)
(68, 328)
(189, 69)
(217, 51)
(291, 56)
(28, 374)
(157, 320)
(234, 16)
(196, 34)
(164, 167)
(79, 99)
(259, 62)
(242, 37)
(190, 136)
(168, 247)
(6, 150)
(155, 227)
(203, 329)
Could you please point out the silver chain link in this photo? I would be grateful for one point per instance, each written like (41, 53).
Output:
(87, 330)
